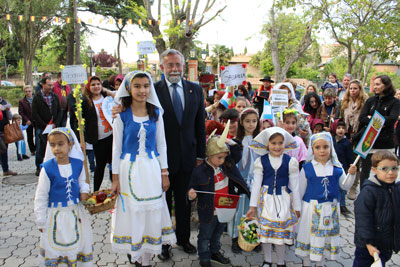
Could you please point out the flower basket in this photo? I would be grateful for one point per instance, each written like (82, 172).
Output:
(249, 234)
(107, 204)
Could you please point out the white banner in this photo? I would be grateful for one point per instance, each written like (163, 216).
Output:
(74, 74)
(233, 75)
(279, 98)
(146, 47)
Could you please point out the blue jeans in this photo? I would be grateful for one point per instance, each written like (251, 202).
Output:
(90, 155)
(362, 257)
(342, 197)
(208, 239)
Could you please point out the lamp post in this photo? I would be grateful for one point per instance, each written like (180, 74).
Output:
(192, 66)
(204, 57)
(90, 54)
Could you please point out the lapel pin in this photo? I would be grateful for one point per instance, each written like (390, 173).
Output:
(190, 91)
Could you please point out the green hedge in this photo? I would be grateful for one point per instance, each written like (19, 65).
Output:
(12, 94)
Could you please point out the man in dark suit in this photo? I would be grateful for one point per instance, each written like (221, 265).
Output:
(46, 109)
(184, 123)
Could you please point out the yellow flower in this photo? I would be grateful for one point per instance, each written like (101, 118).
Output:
(64, 83)
(62, 67)
(85, 82)
(84, 66)
(78, 86)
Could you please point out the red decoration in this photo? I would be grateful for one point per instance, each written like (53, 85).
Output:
(244, 82)
(244, 65)
(222, 86)
(230, 94)
(222, 68)
(231, 106)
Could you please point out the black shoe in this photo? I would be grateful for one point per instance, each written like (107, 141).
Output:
(37, 174)
(25, 157)
(137, 264)
(219, 258)
(266, 264)
(281, 265)
(235, 246)
(188, 248)
(205, 263)
(344, 211)
(165, 254)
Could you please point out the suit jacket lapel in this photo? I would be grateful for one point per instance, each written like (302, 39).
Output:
(187, 93)
(165, 98)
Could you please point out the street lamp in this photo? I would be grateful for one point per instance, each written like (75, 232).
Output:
(193, 53)
(204, 54)
(90, 54)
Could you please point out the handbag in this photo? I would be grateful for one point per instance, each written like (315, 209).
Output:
(12, 133)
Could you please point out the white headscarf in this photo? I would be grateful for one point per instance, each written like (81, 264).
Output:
(324, 136)
(260, 142)
(125, 88)
(75, 152)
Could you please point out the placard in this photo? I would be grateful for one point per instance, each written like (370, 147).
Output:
(233, 75)
(74, 74)
(279, 98)
(146, 47)
(267, 111)
(370, 135)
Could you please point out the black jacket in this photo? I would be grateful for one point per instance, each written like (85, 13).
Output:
(90, 116)
(41, 112)
(387, 106)
(203, 180)
(377, 215)
(185, 142)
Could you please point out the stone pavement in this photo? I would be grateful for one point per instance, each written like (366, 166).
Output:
(19, 236)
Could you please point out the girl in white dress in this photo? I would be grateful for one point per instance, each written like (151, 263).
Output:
(320, 179)
(66, 234)
(141, 222)
(275, 192)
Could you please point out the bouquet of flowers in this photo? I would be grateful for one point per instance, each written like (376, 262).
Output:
(249, 234)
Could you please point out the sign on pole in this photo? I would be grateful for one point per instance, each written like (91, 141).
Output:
(233, 75)
(267, 111)
(279, 101)
(370, 135)
(146, 47)
(74, 74)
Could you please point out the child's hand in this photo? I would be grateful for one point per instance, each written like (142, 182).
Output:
(115, 184)
(326, 129)
(192, 194)
(84, 196)
(251, 213)
(165, 182)
(352, 169)
(116, 110)
(297, 213)
(372, 250)
(28, 123)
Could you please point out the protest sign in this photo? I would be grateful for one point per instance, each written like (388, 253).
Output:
(233, 75)
(74, 74)
(146, 47)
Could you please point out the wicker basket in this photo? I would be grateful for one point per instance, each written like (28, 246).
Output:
(93, 209)
(243, 244)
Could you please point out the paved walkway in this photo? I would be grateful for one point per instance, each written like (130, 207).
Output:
(19, 236)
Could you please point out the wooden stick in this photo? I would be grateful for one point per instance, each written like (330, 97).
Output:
(213, 193)
(354, 163)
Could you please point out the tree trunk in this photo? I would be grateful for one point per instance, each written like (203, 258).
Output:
(78, 60)
(119, 51)
(360, 68)
(28, 59)
(370, 61)
(70, 35)
(349, 59)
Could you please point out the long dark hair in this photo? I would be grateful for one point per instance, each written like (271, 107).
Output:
(127, 101)
(389, 88)
(307, 107)
(240, 131)
(245, 92)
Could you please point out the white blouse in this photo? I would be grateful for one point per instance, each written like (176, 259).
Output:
(41, 201)
(322, 171)
(276, 162)
(118, 131)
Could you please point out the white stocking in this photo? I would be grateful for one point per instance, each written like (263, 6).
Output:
(146, 259)
(280, 252)
(267, 249)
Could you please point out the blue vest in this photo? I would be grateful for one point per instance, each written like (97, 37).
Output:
(61, 189)
(275, 180)
(130, 143)
(323, 189)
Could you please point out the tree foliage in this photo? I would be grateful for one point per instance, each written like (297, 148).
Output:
(221, 56)
(122, 12)
(186, 19)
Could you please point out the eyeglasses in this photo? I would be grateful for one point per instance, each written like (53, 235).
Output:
(388, 169)
(171, 65)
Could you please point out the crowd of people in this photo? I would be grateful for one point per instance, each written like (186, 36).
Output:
(171, 143)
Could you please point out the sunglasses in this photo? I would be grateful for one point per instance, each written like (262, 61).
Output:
(388, 169)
